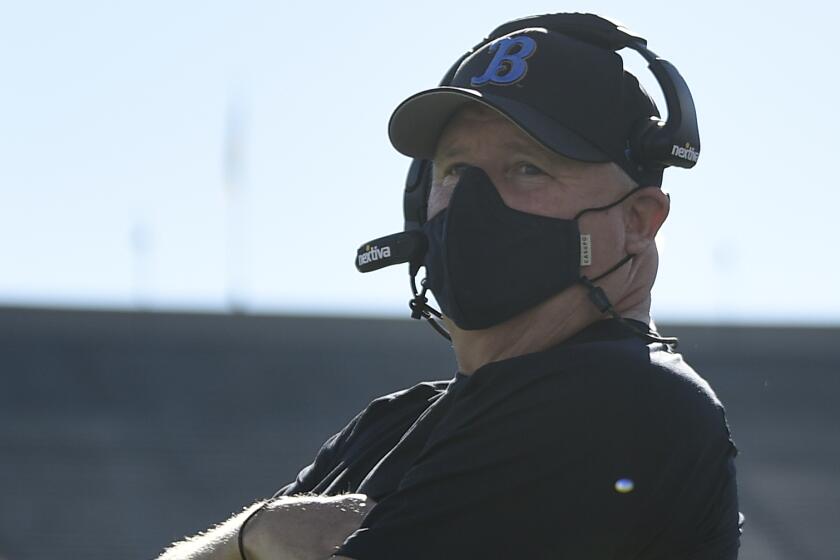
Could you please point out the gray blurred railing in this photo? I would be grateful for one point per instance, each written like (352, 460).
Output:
(120, 432)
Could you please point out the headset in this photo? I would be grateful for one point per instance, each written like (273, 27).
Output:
(654, 143)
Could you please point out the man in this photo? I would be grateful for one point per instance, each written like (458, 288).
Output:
(572, 430)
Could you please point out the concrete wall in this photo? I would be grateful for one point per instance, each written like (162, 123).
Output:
(120, 432)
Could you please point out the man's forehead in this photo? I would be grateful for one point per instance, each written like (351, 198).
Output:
(454, 146)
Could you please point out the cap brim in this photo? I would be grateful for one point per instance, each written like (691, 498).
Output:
(416, 125)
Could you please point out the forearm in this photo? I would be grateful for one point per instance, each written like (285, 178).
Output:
(304, 527)
(216, 543)
(289, 528)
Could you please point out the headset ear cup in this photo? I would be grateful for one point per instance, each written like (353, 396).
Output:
(416, 194)
(642, 140)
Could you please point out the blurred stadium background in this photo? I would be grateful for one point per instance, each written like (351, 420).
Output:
(121, 432)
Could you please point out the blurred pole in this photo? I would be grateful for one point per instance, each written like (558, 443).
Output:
(235, 205)
(140, 238)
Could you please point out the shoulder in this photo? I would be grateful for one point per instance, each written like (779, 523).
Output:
(364, 440)
(394, 408)
(422, 390)
(636, 373)
(675, 377)
(649, 395)
(608, 385)
(683, 397)
(419, 394)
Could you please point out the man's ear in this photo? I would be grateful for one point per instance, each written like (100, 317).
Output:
(644, 214)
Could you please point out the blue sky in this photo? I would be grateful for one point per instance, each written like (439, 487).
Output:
(113, 142)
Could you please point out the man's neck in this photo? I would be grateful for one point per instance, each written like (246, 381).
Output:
(539, 328)
(546, 325)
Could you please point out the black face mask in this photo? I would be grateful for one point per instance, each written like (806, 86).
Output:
(487, 262)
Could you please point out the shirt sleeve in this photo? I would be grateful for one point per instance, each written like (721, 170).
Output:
(313, 475)
(346, 458)
(561, 466)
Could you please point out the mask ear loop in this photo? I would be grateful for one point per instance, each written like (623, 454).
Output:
(597, 295)
(616, 203)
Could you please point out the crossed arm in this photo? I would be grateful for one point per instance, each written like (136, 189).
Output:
(288, 528)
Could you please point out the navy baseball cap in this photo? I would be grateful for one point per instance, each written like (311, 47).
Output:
(573, 97)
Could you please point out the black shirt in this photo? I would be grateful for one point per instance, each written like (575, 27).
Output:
(603, 447)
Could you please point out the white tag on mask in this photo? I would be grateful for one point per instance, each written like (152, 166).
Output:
(585, 249)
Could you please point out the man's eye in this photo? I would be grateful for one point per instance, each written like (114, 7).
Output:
(525, 168)
(455, 169)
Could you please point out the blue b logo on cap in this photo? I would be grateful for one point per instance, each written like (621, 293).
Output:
(508, 65)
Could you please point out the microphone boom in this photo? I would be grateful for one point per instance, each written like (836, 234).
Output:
(398, 248)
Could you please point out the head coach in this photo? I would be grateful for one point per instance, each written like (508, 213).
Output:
(572, 428)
